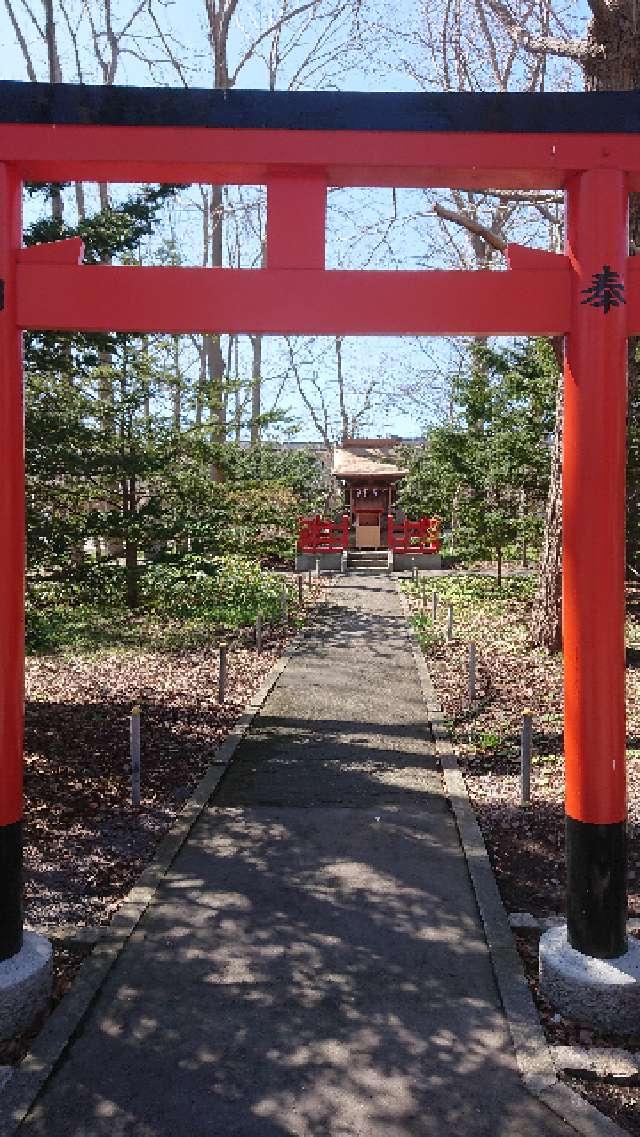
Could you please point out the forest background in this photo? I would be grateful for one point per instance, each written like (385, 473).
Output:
(156, 464)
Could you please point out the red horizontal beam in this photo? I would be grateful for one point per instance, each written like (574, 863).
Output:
(295, 301)
(69, 251)
(341, 158)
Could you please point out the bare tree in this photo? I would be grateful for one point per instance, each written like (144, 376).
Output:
(526, 45)
(607, 54)
(296, 43)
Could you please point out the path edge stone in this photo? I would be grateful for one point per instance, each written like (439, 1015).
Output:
(533, 1056)
(19, 1092)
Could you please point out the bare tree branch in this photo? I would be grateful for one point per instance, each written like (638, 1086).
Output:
(491, 238)
(276, 26)
(321, 424)
(31, 71)
(73, 36)
(577, 49)
(164, 40)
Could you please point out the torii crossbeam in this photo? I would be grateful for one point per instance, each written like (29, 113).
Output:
(298, 144)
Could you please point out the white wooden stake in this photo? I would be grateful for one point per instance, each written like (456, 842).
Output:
(259, 632)
(449, 623)
(472, 672)
(222, 672)
(317, 568)
(134, 746)
(526, 736)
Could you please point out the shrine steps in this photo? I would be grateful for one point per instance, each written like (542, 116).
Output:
(367, 561)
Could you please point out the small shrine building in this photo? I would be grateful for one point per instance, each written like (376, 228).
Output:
(372, 532)
(369, 474)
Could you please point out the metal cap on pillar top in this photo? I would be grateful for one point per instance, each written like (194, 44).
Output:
(298, 143)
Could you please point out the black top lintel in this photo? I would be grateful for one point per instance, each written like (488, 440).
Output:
(549, 113)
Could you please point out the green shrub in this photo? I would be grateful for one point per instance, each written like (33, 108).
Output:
(472, 590)
(87, 584)
(229, 590)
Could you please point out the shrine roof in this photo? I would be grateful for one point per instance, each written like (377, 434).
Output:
(367, 457)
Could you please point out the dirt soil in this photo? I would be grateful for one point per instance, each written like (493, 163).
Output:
(526, 844)
(84, 843)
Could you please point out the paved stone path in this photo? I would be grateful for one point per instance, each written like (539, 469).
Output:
(314, 964)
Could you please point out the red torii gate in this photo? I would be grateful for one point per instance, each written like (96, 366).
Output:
(298, 144)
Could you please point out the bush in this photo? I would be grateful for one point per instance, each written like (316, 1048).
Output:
(229, 590)
(73, 608)
(99, 584)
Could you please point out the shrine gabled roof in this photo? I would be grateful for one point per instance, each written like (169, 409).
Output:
(371, 458)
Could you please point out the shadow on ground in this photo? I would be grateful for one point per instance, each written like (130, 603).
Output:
(314, 965)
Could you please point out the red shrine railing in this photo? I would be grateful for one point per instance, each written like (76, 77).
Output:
(319, 535)
(421, 536)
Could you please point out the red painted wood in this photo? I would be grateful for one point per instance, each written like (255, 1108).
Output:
(344, 158)
(321, 535)
(296, 212)
(594, 488)
(421, 536)
(522, 256)
(67, 252)
(295, 301)
(12, 519)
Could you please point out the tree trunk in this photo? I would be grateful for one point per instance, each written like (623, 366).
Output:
(131, 545)
(546, 619)
(212, 343)
(614, 65)
(55, 76)
(177, 385)
(202, 382)
(455, 511)
(344, 419)
(256, 394)
(524, 558)
(131, 562)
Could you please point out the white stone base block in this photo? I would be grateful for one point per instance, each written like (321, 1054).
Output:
(604, 993)
(25, 984)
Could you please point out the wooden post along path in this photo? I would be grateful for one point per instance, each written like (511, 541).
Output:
(134, 746)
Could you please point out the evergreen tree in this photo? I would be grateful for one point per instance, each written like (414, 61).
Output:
(486, 474)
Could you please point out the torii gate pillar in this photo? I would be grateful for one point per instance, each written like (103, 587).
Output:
(12, 546)
(597, 231)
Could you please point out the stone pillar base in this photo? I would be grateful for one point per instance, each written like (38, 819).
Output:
(603, 993)
(25, 984)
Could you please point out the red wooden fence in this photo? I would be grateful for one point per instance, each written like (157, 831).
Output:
(421, 536)
(319, 535)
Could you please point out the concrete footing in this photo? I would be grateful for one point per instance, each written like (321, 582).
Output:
(326, 562)
(25, 984)
(603, 993)
(396, 562)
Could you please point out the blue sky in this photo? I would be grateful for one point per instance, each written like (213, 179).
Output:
(413, 242)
